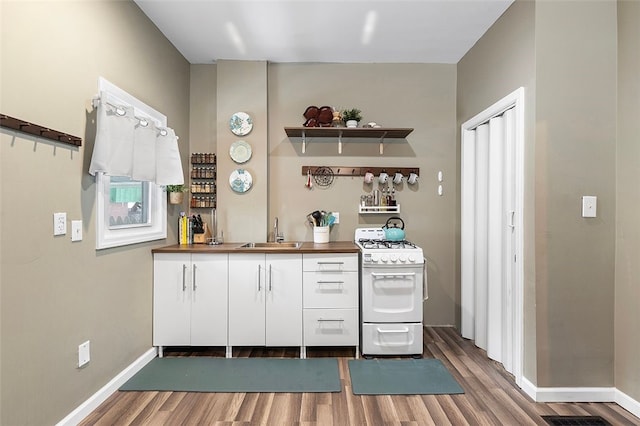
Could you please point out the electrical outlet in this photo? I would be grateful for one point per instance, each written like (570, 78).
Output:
(84, 353)
(59, 223)
(336, 215)
(76, 230)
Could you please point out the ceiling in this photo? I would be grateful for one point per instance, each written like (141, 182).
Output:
(352, 31)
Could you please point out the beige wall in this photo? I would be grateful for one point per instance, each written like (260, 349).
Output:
(56, 294)
(575, 156)
(242, 87)
(564, 54)
(500, 62)
(401, 95)
(627, 314)
(417, 96)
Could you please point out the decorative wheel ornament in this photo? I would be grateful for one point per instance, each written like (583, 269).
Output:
(323, 176)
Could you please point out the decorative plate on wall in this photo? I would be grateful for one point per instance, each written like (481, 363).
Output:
(240, 152)
(240, 180)
(240, 123)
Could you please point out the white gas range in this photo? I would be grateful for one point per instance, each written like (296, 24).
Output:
(393, 283)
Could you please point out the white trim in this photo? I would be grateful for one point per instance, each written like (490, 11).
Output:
(628, 403)
(87, 407)
(116, 94)
(581, 395)
(515, 100)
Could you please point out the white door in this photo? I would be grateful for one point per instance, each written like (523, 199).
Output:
(283, 300)
(492, 180)
(247, 293)
(171, 299)
(209, 275)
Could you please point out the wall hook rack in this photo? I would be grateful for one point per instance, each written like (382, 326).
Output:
(37, 130)
(361, 170)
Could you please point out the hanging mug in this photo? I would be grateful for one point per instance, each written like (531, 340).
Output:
(397, 178)
(413, 178)
(368, 177)
(383, 177)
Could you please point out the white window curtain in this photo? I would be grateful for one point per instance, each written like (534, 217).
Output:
(133, 146)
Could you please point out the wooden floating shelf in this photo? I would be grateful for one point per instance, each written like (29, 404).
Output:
(360, 170)
(347, 132)
(37, 130)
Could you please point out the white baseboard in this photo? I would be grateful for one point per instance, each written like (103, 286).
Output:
(87, 407)
(628, 403)
(581, 395)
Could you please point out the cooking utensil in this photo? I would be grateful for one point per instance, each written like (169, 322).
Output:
(317, 216)
(309, 183)
(391, 230)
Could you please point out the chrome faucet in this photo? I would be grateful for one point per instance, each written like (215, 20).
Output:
(277, 237)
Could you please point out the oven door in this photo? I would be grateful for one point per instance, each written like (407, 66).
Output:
(392, 293)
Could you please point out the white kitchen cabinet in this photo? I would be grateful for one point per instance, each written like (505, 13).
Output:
(265, 299)
(331, 300)
(189, 299)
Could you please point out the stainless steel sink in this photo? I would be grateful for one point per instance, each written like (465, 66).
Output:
(272, 245)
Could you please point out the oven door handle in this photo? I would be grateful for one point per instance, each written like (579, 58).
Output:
(425, 288)
(393, 274)
(403, 330)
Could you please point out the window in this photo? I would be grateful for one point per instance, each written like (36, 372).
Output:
(128, 211)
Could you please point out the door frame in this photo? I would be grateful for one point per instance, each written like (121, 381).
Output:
(467, 202)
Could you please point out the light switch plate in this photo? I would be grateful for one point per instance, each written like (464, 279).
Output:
(84, 353)
(76, 230)
(589, 205)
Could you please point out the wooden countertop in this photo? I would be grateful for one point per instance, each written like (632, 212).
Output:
(307, 247)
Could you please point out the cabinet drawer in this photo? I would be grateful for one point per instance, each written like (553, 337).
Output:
(391, 339)
(330, 262)
(330, 289)
(330, 327)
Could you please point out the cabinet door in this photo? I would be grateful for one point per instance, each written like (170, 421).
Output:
(209, 275)
(284, 300)
(171, 299)
(247, 290)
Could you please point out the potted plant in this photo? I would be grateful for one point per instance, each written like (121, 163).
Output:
(176, 193)
(351, 117)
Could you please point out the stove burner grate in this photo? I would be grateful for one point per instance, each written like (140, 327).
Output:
(386, 244)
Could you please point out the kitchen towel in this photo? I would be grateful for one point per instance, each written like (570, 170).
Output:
(209, 374)
(401, 377)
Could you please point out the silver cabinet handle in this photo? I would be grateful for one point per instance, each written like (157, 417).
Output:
(330, 263)
(270, 279)
(184, 277)
(194, 277)
(259, 275)
(330, 285)
(326, 320)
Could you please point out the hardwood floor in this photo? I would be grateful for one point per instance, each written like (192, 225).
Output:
(490, 398)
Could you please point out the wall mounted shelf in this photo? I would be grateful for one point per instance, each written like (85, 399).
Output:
(379, 133)
(37, 130)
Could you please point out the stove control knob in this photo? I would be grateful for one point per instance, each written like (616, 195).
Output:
(383, 259)
(394, 258)
(375, 258)
(403, 258)
(412, 259)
